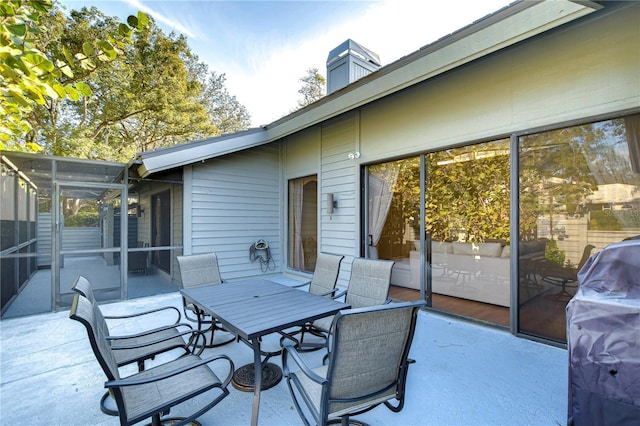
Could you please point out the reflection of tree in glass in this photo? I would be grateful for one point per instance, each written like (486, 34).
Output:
(559, 169)
(468, 192)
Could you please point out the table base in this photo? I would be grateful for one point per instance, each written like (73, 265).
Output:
(244, 377)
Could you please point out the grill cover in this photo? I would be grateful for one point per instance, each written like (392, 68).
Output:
(603, 339)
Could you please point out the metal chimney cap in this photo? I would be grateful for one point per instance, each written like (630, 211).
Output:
(356, 49)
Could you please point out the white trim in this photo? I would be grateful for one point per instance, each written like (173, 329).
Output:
(187, 212)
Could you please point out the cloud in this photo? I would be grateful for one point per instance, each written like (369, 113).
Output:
(268, 85)
(171, 22)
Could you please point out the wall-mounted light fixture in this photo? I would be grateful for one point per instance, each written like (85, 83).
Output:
(354, 155)
(331, 203)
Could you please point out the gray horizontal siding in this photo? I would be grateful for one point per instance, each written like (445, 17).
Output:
(338, 176)
(235, 200)
(81, 239)
(43, 233)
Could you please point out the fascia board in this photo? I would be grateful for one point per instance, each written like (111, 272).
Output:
(199, 152)
(474, 42)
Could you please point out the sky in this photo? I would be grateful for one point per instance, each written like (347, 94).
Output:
(265, 47)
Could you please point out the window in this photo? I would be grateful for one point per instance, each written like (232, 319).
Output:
(579, 191)
(303, 223)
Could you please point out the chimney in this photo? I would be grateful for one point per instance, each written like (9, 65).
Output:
(348, 63)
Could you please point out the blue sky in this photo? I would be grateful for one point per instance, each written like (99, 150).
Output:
(265, 47)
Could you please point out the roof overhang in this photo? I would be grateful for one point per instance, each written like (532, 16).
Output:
(81, 178)
(519, 21)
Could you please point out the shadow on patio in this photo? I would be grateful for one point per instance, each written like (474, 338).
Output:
(465, 374)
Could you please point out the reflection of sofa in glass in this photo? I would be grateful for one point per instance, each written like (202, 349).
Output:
(467, 270)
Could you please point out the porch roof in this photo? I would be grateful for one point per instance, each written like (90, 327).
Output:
(512, 24)
(39, 171)
(464, 374)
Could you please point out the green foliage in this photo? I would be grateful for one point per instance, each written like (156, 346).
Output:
(31, 77)
(553, 254)
(313, 87)
(83, 219)
(604, 220)
(468, 193)
(225, 112)
(154, 93)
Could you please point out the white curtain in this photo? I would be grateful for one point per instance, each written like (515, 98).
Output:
(381, 188)
(298, 249)
(632, 132)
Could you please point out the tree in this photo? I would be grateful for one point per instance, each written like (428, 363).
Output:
(468, 192)
(155, 94)
(226, 112)
(29, 77)
(313, 87)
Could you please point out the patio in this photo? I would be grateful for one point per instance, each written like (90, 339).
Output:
(465, 374)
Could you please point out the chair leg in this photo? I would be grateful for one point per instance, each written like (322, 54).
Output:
(211, 331)
(303, 346)
(346, 421)
(103, 405)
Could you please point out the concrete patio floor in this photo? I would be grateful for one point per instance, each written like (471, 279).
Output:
(465, 374)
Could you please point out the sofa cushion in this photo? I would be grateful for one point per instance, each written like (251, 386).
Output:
(480, 249)
(489, 249)
(462, 248)
(441, 247)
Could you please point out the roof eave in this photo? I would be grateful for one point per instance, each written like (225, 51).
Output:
(512, 24)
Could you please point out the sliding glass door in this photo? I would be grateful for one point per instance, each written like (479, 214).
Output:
(579, 192)
(454, 252)
(444, 218)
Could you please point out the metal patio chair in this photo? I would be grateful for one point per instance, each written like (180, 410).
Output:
(144, 345)
(199, 270)
(153, 392)
(367, 365)
(84, 287)
(323, 283)
(562, 276)
(368, 286)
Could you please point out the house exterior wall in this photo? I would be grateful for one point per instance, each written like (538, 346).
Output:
(570, 74)
(235, 200)
(567, 75)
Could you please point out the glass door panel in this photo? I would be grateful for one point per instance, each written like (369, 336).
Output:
(89, 240)
(467, 227)
(394, 222)
(579, 191)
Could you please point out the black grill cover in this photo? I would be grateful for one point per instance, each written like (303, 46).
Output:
(603, 339)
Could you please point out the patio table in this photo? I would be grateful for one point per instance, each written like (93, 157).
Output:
(253, 308)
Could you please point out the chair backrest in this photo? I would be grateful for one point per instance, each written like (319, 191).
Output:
(197, 270)
(368, 356)
(88, 314)
(325, 274)
(83, 286)
(586, 254)
(369, 282)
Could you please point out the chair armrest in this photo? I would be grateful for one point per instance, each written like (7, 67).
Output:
(151, 331)
(289, 350)
(152, 311)
(339, 294)
(300, 285)
(132, 381)
(151, 342)
(328, 292)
